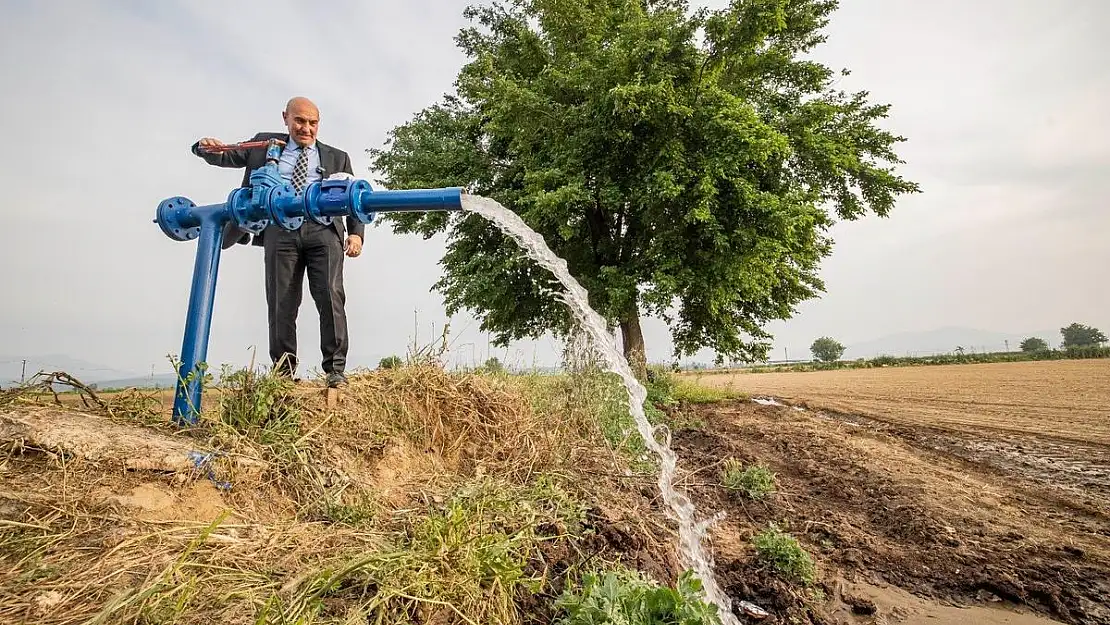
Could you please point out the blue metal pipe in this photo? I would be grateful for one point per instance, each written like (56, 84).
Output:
(412, 200)
(253, 209)
(198, 321)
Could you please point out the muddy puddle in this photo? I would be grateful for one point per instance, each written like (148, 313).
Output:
(1070, 465)
(870, 604)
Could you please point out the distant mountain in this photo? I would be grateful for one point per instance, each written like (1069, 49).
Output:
(944, 341)
(167, 380)
(11, 368)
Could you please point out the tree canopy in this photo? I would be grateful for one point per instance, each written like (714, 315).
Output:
(826, 349)
(686, 164)
(1034, 344)
(1079, 335)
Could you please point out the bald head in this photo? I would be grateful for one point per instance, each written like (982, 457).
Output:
(302, 118)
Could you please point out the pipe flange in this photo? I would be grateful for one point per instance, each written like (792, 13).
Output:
(241, 211)
(355, 192)
(169, 212)
(312, 205)
(286, 207)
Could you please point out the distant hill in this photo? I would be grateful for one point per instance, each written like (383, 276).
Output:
(168, 380)
(11, 368)
(943, 341)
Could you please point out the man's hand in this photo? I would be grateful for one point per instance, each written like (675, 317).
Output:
(209, 142)
(353, 246)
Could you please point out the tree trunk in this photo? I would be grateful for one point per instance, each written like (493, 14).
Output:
(632, 338)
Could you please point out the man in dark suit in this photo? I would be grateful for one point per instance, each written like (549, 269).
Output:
(313, 248)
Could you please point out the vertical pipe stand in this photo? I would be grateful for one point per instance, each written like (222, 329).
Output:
(198, 324)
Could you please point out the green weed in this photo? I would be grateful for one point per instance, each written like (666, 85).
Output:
(784, 554)
(756, 482)
(364, 511)
(468, 559)
(258, 404)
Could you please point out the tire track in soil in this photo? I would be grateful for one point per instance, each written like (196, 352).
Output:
(1075, 475)
(939, 517)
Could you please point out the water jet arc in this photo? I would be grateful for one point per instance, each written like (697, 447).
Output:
(678, 506)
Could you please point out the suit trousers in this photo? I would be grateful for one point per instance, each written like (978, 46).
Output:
(318, 251)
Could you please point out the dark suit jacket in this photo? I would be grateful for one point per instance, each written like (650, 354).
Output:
(332, 160)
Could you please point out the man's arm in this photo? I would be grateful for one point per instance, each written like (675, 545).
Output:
(231, 158)
(354, 226)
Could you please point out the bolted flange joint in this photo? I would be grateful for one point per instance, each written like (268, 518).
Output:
(286, 207)
(312, 196)
(176, 219)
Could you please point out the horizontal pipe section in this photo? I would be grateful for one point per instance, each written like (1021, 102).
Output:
(412, 200)
(253, 208)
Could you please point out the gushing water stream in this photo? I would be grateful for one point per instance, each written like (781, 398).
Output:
(691, 531)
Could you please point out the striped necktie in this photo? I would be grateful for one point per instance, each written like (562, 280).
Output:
(300, 171)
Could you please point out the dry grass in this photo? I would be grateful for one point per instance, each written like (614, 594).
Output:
(467, 420)
(74, 565)
(426, 496)
(130, 404)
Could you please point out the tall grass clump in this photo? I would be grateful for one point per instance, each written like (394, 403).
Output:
(470, 561)
(755, 482)
(593, 402)
(258, 403)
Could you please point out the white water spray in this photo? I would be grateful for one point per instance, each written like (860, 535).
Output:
(691, 532)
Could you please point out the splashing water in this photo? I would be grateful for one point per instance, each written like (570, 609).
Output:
(681, 509)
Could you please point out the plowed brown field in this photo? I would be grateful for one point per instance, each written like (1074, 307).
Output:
(1067, 399)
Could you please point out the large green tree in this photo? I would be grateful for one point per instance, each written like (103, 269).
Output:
(686, 164)
(827, 349)
(1034, 344)
(1079, 335)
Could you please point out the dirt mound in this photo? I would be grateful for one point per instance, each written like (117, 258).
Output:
(423, 496)
(104, 441)
(874, 506)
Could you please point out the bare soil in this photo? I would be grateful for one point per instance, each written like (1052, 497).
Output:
(892, 510)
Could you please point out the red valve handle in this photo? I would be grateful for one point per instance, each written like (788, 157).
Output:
(246, 145)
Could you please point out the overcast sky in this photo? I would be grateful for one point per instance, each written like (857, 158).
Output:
(1004, 103)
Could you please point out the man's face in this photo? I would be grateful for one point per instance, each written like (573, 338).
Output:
(302, 120)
